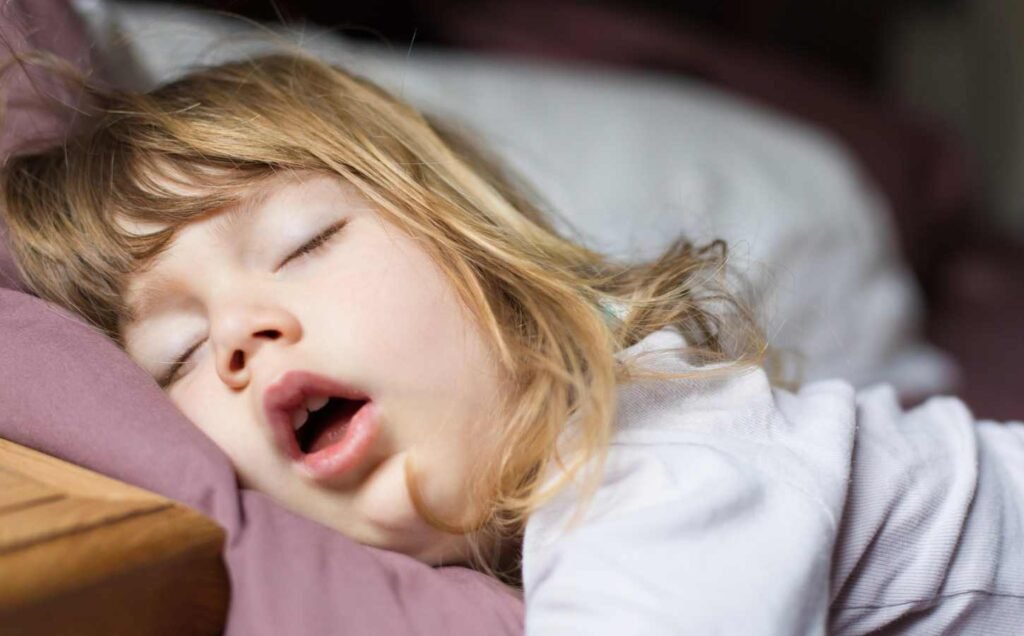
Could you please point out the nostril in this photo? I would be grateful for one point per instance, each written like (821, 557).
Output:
(237, 361)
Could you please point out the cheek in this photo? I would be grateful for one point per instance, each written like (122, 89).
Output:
(189, 396)
(401, 315)
(210, 413)
(396, 322)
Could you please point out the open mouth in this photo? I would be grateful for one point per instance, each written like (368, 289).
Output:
(326, 425)
(326, 428)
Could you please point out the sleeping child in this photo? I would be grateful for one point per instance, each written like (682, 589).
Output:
(383, 333)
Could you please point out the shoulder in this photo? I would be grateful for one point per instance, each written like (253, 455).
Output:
(731, 406)
(717, 433)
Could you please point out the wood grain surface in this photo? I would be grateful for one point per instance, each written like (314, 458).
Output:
(84, 554)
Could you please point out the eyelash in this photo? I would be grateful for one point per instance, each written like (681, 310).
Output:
(317, 241)
(311, 245)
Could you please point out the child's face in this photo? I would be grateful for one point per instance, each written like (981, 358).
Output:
(367, 309)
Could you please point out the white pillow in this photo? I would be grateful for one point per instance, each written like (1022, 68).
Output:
(634, 160)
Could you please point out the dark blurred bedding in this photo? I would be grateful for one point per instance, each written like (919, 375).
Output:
(973, 277)
(778, 54)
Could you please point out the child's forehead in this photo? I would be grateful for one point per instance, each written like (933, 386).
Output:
(303, 196)
(245, 201)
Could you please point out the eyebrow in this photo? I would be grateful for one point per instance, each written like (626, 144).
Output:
(152, 295)
(231, 222)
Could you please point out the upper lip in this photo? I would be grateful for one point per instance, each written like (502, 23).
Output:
(288, 393)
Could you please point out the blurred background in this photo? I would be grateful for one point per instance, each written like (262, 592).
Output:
(928, 96)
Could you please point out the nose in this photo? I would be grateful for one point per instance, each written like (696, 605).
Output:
(242, 331)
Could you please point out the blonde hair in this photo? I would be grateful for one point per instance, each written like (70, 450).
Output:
(541, 301)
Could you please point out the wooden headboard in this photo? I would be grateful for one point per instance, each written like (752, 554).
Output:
(84, 554)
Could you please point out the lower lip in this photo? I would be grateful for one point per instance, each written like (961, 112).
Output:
(349, 452)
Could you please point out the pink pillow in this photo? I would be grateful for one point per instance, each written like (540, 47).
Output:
(71, 393)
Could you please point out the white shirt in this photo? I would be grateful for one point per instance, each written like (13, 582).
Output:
(729, 507)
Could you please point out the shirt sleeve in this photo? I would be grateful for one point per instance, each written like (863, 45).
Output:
(682, 539)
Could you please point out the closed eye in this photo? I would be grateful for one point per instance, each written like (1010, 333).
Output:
(171, 375)
(315, 242)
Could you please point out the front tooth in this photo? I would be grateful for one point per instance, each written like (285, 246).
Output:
(299, 418)
(315, 403)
